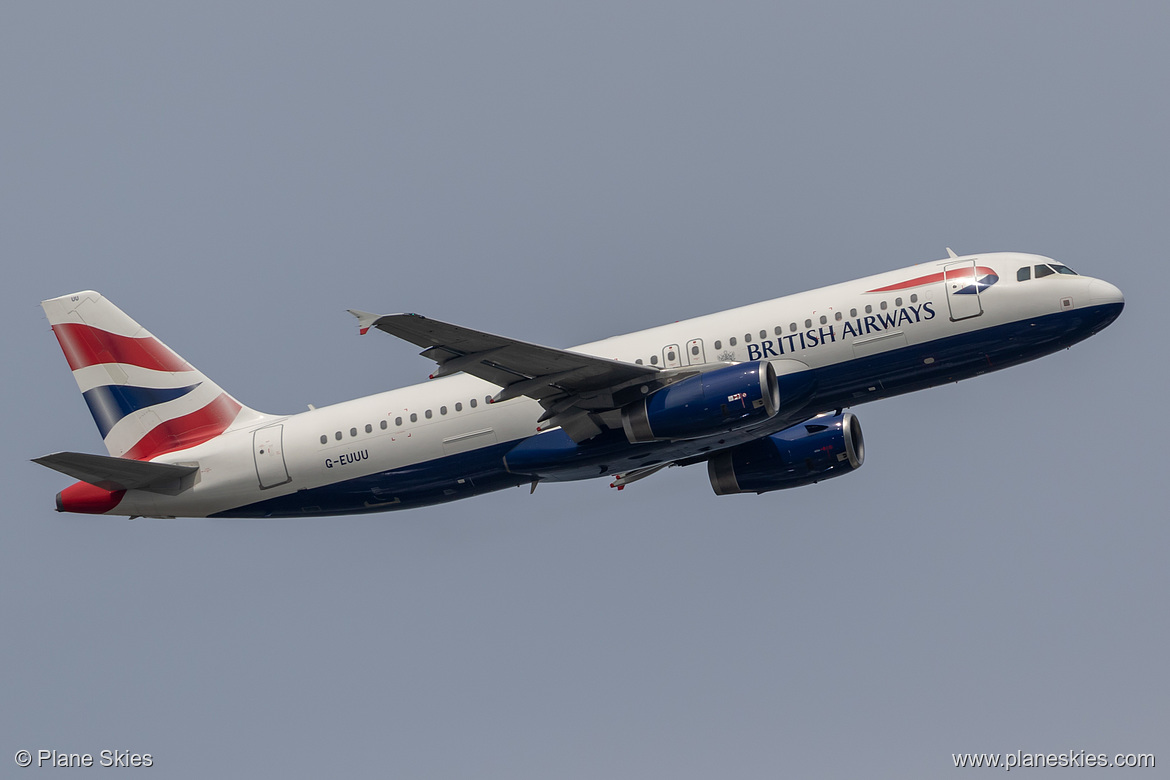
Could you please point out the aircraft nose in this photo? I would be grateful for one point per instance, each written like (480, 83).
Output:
(1103, 292)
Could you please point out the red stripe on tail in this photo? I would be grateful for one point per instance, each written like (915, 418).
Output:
(85, 345)
(187, 431)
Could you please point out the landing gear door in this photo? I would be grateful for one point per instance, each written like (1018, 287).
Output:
(268, 450)
(962, 286)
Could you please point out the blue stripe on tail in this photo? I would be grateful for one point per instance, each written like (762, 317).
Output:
(110, 403)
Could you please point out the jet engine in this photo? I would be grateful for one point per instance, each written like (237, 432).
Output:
(721, 400)
(821, 448)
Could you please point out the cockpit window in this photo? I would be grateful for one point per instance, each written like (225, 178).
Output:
(1047, 269)
(1024, 274)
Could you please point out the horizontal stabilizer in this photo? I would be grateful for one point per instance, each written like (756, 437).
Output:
(117, 473)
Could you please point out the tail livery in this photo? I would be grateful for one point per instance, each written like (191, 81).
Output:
(146, 400)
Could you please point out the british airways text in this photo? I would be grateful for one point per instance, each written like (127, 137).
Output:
(827, 334)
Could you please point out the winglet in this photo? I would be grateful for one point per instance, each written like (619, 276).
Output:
(951, 252)
(365, 320)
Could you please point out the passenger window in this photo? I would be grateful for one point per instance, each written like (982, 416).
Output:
(442, 410)
(695, 350)
(747, 338)
(792, 327)
(897, 301)
(883, 305)
(653, 360)
(353, 431)
(337, 435)
(779, 330)
(868, 309)
(398, 421)
(414, 416)
(428, 414)
(383, 425)
(731, 341)
(487, 399)
(853, 312)
(324, 439)
(638, 361)
(1042, 271)
(458, 407)
(718, 345)
(837, 316)
(914, 298)
(472, 402)
(808, 324)
(824, 319)
(670, 355)
(369, 428)
(763, 335)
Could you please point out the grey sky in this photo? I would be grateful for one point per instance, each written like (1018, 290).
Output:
(235, 177)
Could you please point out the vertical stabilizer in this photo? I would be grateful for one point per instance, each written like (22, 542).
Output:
(146, 400)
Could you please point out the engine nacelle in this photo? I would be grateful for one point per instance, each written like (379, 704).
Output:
(822, 448)
(721, 400)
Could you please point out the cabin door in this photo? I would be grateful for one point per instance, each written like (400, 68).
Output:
(962, 290)
(268, 450)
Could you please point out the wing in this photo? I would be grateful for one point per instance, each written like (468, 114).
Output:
(580, 393)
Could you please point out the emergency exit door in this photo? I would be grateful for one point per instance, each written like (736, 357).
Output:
(695, 352)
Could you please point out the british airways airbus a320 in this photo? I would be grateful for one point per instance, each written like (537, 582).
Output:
(756, 393)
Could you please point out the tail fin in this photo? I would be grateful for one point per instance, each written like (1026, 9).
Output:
(145, 399)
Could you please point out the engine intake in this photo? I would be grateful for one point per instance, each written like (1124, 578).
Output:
(821, 448)
(721, 400)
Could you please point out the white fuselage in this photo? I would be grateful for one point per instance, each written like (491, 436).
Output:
(394, 431)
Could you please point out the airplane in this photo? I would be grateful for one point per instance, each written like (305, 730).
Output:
(757, 393)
